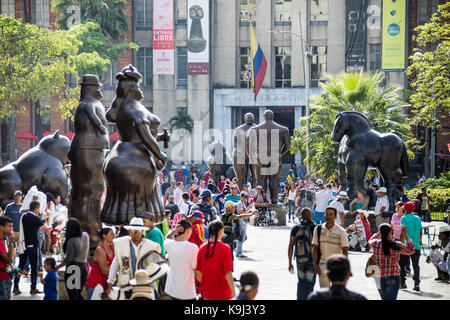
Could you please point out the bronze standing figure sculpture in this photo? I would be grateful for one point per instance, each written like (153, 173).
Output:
(87, 153)
(362, 147)
(219, 163)
(266, 156)
(241, 163)
(131, 167)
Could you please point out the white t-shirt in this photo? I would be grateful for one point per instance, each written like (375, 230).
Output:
(322, 198)
(186, 207)
(292, 195)
(340, 208)
(178, 196)
(182, 262)
(381, 202)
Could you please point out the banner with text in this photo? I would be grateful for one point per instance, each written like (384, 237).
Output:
(198, 40)
(394, 27)
(163, 37)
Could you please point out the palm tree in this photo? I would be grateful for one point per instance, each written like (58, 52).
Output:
(181, 121)
(357, 91)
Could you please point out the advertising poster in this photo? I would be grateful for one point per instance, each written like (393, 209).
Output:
(198, 37)
(163, 37)
(394, 26)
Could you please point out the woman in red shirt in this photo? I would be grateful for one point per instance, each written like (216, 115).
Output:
(214, 268)
(103, 257)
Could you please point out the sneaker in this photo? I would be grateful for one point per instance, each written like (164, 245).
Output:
(17, 291)
(416, 287)
(403, 286)
(34, 292)
(242, 256)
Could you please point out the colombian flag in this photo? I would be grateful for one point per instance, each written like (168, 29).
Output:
(259, 63)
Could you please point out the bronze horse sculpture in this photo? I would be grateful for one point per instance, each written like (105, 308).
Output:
(362, 147)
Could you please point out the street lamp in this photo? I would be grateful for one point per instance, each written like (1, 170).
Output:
(307, 76)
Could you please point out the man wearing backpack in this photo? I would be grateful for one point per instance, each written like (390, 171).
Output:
(206, 207)
(301, 240)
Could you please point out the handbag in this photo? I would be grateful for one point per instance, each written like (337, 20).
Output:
(370, 269)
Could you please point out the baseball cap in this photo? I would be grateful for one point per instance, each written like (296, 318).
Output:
(234, 187)
(244, 194)
(246, 185)
(149, 216)
(382, 189)
(196, 214)
(410, 206)
(17, 192)
(206, 193)
(229, 203)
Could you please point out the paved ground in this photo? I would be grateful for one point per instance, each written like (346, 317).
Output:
(266, 249)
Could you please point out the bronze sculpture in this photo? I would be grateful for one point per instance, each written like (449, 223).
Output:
(219, 164)
(86, 155)
(361, 146)
(241, 163)
(42, 165)
(266, 157)
(131, 167)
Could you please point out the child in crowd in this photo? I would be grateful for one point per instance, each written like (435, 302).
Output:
(50, 281)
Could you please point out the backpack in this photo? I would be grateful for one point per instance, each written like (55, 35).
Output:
(227, 222)
(303, 244)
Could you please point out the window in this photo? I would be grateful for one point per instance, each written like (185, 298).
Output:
(283, 10)
(248, 11)
(144, 60)
(41, 13)
(282, 67)
(182, 67)
(108, 77)
(7, 8)
(375, 57)
(143, 14)
(245, 73)
(319, 10)
(318, 65)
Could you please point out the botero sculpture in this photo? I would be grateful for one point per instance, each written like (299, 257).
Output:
(42, 166)
(268, 142)
(131, 167)
(86, 156)
(241, 163)
(219, 162)
(362, 147)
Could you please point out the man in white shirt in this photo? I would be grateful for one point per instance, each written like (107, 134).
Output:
(178, 193)
(381, 206)
(182, 262)
(322, 198)
(339, 204)
(186, 205)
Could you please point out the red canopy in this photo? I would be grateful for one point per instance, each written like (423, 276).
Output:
(46, 133)
(27, 135)
(69, 134)
(113, 137)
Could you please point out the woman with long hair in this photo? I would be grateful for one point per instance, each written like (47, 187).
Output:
(387, 256)
(359, 201)
(396, 219)
(214, 268)
(76, 250)
(291, 195)
(103, 257)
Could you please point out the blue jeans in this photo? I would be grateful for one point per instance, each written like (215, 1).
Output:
(5, 290)
(389, 287)
(306, 280)
(319, 217)
(32, 254)
(243, 231)
(425, 215)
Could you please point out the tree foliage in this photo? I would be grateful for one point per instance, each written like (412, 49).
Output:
(356, 91)
(34, 63)
(181, 121)
(430, 70)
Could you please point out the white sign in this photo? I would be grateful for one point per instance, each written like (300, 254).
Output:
(198, 37)
(163, 37)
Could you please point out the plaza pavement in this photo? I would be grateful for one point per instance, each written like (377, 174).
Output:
(266, 249)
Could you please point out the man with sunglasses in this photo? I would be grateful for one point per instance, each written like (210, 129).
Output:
(243, 207)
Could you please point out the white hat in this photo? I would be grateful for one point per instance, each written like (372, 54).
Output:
(155, 265)
(140, 278)
(229, 203)
(445, 228)
(342, 195)
(382, 189)
(136, 224)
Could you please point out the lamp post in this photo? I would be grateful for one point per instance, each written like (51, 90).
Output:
(307, 76)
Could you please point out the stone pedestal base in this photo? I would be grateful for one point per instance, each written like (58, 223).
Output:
(280, 213)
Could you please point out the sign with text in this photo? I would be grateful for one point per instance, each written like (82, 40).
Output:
(198, 37)
(163, 37)
(394, 27)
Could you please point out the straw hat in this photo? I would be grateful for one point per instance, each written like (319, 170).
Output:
(136, 224)
(141, 278)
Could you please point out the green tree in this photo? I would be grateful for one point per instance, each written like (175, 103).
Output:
(181, 121)
(34, 63)
(348, 91)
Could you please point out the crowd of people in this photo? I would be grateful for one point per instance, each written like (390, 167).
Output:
(204, 230)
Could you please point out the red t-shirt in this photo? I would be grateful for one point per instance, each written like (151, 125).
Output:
(3, 275)
(206, 176)
(220, 185)
(214, 285)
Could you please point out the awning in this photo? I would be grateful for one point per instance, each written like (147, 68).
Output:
(46, 133)
(26, 135)
(113, 137)
(69, 135)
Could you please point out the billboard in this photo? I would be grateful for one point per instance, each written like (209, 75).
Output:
(198, 37)
(163, 37)
(393, 35)
(355, 35)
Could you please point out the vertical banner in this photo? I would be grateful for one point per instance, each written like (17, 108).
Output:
(163, 37)
(394, 26)
(198, 37)
(355, 35)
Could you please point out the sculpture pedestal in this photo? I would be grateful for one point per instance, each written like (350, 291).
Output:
(280, 213)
